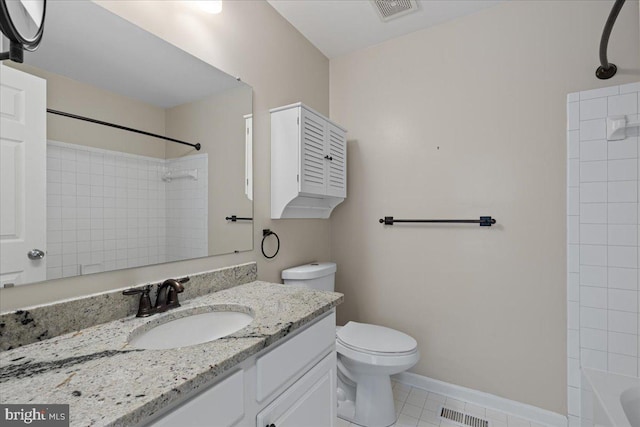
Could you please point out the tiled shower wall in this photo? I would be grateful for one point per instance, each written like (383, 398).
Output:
(187, 206)
(107, 210)
(603, 236)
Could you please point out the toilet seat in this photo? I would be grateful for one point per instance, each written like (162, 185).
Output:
(375, 339)
(376, 345)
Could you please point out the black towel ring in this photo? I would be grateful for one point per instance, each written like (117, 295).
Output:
(266, 233)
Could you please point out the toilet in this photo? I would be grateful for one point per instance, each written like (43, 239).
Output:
(367, 356)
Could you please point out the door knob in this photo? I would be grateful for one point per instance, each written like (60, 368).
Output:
(35, 254)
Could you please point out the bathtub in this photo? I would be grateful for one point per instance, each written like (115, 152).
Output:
(609, 400)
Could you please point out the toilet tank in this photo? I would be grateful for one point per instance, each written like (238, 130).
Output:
(317, 275)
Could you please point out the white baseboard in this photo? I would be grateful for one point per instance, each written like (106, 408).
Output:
(522, 410)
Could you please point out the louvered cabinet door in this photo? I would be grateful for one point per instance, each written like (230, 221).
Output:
(313, 176)
(337, 164)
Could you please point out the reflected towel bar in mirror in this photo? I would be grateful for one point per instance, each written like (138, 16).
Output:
(234, 218)
(113, 125)
(484, 221)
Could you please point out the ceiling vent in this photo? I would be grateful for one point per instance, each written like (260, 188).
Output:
(392, 9)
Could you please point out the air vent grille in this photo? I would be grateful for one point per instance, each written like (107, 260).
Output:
(462, 419)
(391, 9)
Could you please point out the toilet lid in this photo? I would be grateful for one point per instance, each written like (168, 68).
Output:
(375, 338)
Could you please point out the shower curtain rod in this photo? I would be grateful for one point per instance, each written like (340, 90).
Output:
(113, 125)
(607, 70)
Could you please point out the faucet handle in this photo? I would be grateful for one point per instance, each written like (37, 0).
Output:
(144, 306)
(172, 293)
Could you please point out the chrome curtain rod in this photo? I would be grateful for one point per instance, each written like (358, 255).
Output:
(113, 125)
(484, 221)
(606, 70)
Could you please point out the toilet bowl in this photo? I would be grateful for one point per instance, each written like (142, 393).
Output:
(367, 356)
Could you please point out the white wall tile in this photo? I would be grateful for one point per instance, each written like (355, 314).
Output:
(595, 171)
(593, 109)
(593, 359)
(593, 213)
(630, 87)
(594, 318)
(608, 295)
(593, 255)
(622, 191)
(622, 300)
(591, 130)
(623, 343)
(573, 173)
(593, 297)
(622, 235)
(620, 105)
(573, 287)
(624, 365)
(597, 93)
(572, 97)
(573, 230)
(590, 234)
(573, 201)
(594, 150)
(594, 339)
(623, 256)
(622, 170)
(573, 402)
(593, 276)
(596, 192)
(573, 315)
(573, 144)
(622, 213)
(623, 278)
(573, 344)
(621, 321)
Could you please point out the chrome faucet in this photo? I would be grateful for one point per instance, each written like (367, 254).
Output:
(167, 294)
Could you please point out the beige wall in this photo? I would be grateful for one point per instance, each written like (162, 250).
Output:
(217, 122)
(462, 120)
(72, 96)
(251, 40)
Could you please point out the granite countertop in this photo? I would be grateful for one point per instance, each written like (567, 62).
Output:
(106, 382)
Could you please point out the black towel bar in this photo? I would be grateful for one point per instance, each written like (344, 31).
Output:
(234, 218)
(484, 221)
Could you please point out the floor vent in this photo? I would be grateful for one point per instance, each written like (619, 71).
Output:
(462, 419)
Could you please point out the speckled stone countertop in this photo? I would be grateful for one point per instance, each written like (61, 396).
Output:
(106, 382)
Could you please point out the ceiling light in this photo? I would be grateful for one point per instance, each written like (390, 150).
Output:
(210, 6)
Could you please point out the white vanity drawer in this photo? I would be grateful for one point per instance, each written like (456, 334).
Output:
(292, 357)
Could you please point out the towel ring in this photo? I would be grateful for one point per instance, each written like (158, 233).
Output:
(266, 233)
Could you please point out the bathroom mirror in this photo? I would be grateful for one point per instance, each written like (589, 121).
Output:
(118, 199)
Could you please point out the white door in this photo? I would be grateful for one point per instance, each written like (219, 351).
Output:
(23, 165)
(309, 402)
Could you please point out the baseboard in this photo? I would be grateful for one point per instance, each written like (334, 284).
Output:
(532, 413)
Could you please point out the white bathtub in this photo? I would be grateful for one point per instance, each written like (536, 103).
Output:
(610, 400)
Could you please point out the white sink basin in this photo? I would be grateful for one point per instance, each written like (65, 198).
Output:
(194, 327)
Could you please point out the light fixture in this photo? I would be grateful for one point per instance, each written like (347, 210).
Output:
(210, 6)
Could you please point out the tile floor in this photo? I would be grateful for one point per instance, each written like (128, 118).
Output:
(418, 408)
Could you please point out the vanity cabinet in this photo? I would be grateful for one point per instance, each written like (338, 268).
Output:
(292, 384)
(308, 163)
(310, 400)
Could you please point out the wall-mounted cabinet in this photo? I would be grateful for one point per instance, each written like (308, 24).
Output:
(308, 163)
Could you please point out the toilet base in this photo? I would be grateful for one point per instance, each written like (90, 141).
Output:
(374, 405)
